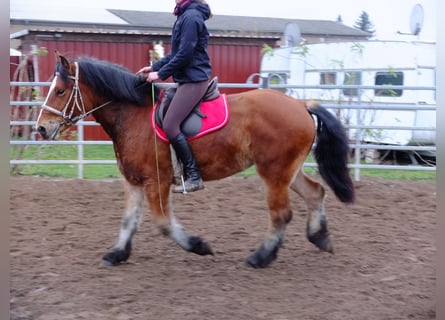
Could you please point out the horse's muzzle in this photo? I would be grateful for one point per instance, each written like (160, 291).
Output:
(49, 131)
(42, 131)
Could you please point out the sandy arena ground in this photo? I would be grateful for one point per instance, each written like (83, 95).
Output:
(383, 267)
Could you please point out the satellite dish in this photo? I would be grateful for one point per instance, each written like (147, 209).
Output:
(416, 19)
(292, 35)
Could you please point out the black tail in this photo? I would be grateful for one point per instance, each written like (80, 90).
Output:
(331, 153)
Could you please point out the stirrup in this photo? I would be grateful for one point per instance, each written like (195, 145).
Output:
(188, 186)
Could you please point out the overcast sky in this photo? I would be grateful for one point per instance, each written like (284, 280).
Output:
(388, 16)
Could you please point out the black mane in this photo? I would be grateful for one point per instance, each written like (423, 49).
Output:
(113, 81)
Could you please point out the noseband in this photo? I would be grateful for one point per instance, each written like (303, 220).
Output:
(75, 101)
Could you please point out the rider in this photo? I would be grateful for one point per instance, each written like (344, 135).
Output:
(189, 65)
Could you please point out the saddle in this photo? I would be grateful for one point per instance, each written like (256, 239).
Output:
(192, 125)
(209, 115)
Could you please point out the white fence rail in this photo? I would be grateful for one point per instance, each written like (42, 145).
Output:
(357, 146)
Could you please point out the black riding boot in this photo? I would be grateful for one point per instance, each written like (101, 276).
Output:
(193, 181)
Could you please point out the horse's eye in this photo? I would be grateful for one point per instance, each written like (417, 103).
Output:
(60, 92)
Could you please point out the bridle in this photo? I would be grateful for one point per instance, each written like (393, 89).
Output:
(75, 101)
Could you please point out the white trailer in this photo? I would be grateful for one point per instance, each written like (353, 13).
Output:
(366, 63)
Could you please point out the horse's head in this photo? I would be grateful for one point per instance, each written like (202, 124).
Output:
(64, 104)
(83, 87)
(60, 107)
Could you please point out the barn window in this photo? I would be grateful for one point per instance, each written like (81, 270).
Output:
(386, 79)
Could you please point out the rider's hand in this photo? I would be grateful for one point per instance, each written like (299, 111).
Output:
(152, 76)
(144, 70)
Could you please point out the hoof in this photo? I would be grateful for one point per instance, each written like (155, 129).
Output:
(116, 256)
(106, 263)
(321, 239)
(199, 246)
(262, 258)
(256, 262)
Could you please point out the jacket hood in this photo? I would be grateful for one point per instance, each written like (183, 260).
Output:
(203, 8)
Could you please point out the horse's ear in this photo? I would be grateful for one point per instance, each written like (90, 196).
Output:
(63, 61)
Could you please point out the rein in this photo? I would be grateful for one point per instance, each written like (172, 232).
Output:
(67, 113)
(156, 153)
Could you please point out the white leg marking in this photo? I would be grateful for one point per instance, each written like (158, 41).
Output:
(274, 238)
(315, 218)
(178, 234)
(132, 216)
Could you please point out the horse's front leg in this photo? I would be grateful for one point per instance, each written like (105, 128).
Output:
(188, 242)
(158, 197)
(130, 223)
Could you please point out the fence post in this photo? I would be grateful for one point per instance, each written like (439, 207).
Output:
(265, 82)
(358, 136)
(80, 150)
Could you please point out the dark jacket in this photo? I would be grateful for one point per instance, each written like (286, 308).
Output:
(188, 60)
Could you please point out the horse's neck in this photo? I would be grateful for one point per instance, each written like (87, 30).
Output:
(134, 142)
(124, 122)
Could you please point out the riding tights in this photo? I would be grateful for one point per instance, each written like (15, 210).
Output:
(185, 99)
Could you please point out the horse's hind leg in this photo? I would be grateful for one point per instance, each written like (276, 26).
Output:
(130, 223)
(313, 194)
(280, 215)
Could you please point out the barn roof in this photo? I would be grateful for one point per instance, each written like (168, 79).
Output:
(241, 24)
(146, 22)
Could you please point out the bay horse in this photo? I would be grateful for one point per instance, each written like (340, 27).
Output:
(266, 128)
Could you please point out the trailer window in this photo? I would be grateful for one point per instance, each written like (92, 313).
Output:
(327, 77)
(354, 77)
(388, 78)
(278, 78)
